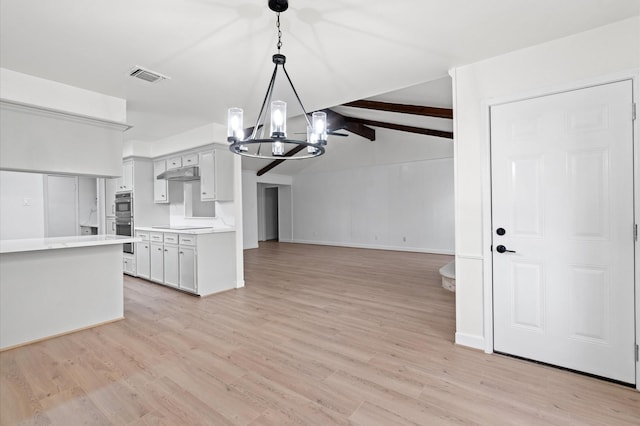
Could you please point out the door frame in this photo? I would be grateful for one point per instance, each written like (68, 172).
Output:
(634, 76)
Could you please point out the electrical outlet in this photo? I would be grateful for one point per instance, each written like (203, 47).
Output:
(27, 201)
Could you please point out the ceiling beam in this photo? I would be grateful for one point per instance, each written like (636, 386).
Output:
(274, 163)
(403, 109)
(402, 128)
(336, 121)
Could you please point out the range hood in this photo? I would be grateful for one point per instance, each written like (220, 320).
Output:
(182, 174)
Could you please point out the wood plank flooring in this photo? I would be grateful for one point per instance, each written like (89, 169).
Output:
(319, 335)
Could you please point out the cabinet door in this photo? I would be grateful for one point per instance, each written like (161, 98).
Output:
(129, 264)
(127, 176)
(171, 265)
(190, 160)
(110, 226)
(157, 263)
(160, 194)
(143, 260)
(174, 163)
(207, 176)
(187, 269)
(110, 186)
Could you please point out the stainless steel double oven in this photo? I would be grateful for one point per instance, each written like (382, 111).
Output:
(124, 218)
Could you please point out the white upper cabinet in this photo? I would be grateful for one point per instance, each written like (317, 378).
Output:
(160, 186)
(125, 182)
(110, 186)
(189, 160)
(216, 175)
(174, 163)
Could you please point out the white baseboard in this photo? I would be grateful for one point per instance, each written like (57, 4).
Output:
(470, 340)
(375, 247)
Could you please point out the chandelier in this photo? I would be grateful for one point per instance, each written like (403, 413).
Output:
(256, 145)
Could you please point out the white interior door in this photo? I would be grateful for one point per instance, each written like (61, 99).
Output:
(61, 206)
(562, 203)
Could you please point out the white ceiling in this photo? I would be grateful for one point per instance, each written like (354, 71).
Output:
(218, 53)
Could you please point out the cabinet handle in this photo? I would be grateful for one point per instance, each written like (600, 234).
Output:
(181, 252)
(204, 193)
(159, 249)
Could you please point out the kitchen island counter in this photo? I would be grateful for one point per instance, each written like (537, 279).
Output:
(36, 244)
(54, 286)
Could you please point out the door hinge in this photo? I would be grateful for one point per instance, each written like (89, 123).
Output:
(637, 359)
(633, 112)
(635, 232)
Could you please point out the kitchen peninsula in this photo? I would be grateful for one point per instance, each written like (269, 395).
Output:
(197, 260)
(54, 286)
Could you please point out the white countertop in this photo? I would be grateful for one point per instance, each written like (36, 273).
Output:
(36, 244)
(193, 231)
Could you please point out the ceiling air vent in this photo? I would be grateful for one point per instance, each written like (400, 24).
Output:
(146, 75)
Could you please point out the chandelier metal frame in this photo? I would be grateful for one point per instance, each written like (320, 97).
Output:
(253, 145)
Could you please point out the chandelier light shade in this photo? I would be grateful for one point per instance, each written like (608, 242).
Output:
(276, 145)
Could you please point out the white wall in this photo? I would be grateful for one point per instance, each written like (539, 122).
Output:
(564, 62)
(403, 206)
(21, 206)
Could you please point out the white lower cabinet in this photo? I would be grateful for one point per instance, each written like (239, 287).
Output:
(187, 268)
(143, 259)
(157, 262)
(171, 259)
(129, 264)
(171, 265)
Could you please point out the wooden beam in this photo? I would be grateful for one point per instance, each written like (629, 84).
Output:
(403, 109)
(336, 121)
(402, 128)
(274, 163)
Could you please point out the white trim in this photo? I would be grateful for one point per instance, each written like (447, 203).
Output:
(636, 204)
(374, 247)
(469, 340)
(634, 76)
(470, 256)
(487, 255)
(64, 115)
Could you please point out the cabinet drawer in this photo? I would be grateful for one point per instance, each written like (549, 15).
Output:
(155, 237)
(144, 235)
(189, 160)
(174, 163)
(171, 238)
(187, 240)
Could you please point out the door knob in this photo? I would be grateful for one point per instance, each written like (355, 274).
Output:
(503, 249)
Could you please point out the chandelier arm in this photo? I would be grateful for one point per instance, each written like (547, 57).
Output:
(295, 92)
(267, 96)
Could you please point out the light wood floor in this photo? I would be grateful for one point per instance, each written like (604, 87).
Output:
(319, 335)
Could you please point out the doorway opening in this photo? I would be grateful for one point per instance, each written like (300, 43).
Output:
(271, 232)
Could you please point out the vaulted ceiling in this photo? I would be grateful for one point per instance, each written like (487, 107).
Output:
(217, 52)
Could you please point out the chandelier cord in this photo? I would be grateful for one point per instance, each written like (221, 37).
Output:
(279, 45)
